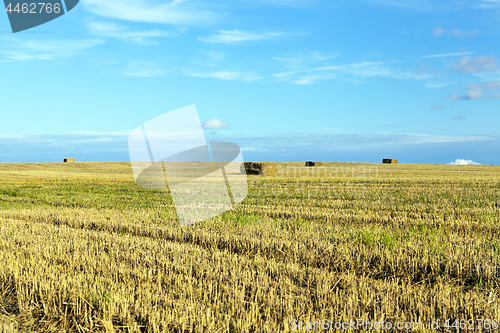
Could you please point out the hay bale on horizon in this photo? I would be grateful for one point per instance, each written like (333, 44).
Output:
(313, 163)
(389, 161)
(69, 160)
(268, 169)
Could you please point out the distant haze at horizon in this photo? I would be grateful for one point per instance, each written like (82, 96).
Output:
(95, 147)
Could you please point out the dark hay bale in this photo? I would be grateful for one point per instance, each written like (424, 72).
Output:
(268, 169)
(389, 161)
(69, 160)
(313, 163)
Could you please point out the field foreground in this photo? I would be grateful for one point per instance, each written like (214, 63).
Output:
(82, 248)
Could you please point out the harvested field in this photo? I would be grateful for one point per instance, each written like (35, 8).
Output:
(84, 249)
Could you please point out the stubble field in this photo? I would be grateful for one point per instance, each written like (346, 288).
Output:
(83, 249)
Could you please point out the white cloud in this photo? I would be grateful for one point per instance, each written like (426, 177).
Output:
(20, 56)
(304, 60)
(464, 162)
(81, 142)
(175, 12)
(113, 30)
(378, 68)
(214, 65)
(238, 36)
(438, 6)
(312, 78)
(436, 84)
(438, 31)
(47, 49)
(207, 58)
(285, 3)
(354, 81)
(214, 124)
(366, 69)
(419, 5)
(307, 59)
(430, 138)
(489, 76)
(488, 90)
(463, 34)
(286, 74)
(144, 69)
(455, 54)
(363, 69)
(227, 75)
(475, 64)
(488, 4)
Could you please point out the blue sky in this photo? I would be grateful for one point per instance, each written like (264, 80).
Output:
(287, 80)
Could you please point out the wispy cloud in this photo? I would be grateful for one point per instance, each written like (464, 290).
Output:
(227, 75)
(208, 58)
(144, 69)
(354, 81)
(175, 12)
(365, 69)
(80, 141)
(439, 31)
(218, 65)
(290, 73)
(47, 49)
(305, 59)
(238, 36)
(489, 76)
(476, 64)
(362, 69)
(453, 54)
(463, 34)
(303, 64)
(459, 161)
(113, 30)
(437, 84)
(438, 107)
(286, 3)
(409, 4)
(488, 90)
(488, 4)
(351, 143)
(214, 124)
(438, 6)
(312, 78)
(377, 68)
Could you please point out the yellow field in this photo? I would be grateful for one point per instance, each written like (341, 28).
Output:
(82, 248)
